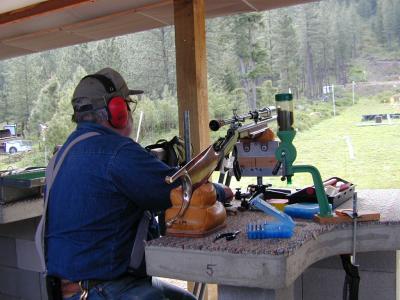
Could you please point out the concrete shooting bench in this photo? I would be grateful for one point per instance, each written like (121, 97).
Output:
(306, 266)
(20, 276)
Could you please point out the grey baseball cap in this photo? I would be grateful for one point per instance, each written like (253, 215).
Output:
(93, 91)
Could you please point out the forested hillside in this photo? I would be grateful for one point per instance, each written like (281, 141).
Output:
(250, 57)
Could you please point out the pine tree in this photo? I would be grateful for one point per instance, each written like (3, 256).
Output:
(343, 39)
(60, 124)
(309, 44)
(20, 90)
(221, 56)
(4, 103)
(378, 27)
(220, 102)
(389, 23)
(286, 51)
(250, 53)
(367, 9)
(149, 61)
(45, 105)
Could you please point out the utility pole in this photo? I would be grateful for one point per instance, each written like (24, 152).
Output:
(43, 128)
(333, 100)
(139, 127)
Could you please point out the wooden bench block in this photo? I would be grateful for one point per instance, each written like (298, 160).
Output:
(341, 216)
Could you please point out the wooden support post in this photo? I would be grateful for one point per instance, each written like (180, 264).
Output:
(191, 69)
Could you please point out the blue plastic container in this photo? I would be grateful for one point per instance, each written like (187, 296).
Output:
(302, 210)
(282, 228)
(268, 231)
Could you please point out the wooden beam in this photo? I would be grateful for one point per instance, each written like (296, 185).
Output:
(191, 69)
(48, 7)
(41, 8)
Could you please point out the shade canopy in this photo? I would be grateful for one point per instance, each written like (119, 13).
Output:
(29, 26)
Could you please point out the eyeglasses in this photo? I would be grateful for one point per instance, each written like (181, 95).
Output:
(131, 103)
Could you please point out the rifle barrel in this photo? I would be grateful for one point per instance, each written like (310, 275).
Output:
(259, 114)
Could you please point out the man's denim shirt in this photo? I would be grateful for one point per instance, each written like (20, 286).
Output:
(96, 202)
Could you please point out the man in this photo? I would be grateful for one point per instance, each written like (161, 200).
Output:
(101, 194)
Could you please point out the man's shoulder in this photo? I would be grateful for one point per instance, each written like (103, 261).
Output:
(112, 141)
(103, 142)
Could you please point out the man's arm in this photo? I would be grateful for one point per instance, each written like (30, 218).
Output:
(141, 177)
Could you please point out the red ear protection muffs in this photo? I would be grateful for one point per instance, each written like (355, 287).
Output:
(117, 108)
(118, 112)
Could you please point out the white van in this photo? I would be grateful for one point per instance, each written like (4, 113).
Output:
(15, 146)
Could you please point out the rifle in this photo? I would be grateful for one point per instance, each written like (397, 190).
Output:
(197, 171)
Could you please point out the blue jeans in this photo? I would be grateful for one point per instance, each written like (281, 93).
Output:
(130, 288)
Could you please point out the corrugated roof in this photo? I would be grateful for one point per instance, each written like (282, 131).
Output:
(58, 23)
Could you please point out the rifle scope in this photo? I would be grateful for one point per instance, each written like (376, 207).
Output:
(256, 115)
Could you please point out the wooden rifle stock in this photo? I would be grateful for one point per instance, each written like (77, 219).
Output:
(199, 169)
(203, 165)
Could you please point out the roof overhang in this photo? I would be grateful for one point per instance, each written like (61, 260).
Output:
(45, 25)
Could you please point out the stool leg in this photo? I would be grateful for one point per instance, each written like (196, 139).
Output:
(202, 290)
(196, 288)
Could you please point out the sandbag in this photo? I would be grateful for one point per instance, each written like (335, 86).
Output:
(204, 215)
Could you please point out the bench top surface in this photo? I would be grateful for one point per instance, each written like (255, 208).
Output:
(282, 259)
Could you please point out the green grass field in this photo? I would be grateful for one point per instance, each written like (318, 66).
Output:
(376, 162)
